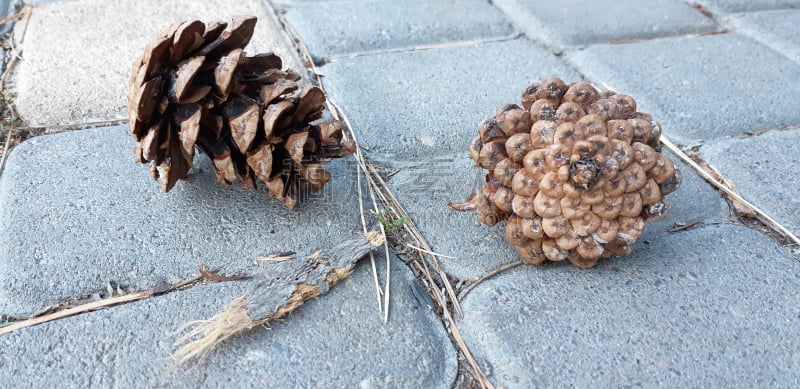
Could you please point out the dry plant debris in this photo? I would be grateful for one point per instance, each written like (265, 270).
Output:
(115, 294)
(212, 276)
(296, 283)
(740, 205)
(195, 86)
(574, 172)
(125, 298)
(425, 266)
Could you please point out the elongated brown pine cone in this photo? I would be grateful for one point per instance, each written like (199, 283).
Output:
(574, 172)
(195, 87)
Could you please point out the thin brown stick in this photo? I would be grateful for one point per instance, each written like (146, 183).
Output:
(388, 286)
(274, 258)
(482, 379)
(213, 276)
(25, 12)
(488, 275)
(188, 282)
(768, 220)
(13, 18)
(56, 128)
(6, 149)
(409, 245)
(76, 310)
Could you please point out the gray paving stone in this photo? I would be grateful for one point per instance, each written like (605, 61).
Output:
(39, 3)
(776, 29)
(425, 187)
(711, 307)
(576, 22)
(749, 5)
(428, 103)
(764, 170)
(351, 27)
(338, 340)
(67, 81)
(703, 87)
(427, 136)
(77, 210)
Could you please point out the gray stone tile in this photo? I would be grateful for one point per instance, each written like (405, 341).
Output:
(702, 87)
(576, 22)
(351, 27)
(764, 170)
(67, 81)
(77, 210)
(425, 187)
(711, 307)
(750, 5)
(776, 29)
(40, 3)
(337, 340)
(428, 103)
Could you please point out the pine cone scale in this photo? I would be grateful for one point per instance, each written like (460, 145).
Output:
(260, 160)
(270, 92)
(224, 72)
(149, 143)
(188, 37)
(188, 116)
(146, 99)
(156, 57)
(235, 35)
(187, 71)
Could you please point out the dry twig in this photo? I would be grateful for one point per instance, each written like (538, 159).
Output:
(479, 375)
(26, 13)
(730, 193)
(6, 149)
(279, 257)
(276, 297)
(488, 275)
(76, 310)
(409, 245)
(210, 275)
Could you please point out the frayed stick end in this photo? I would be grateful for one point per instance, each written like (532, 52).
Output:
(202, 336)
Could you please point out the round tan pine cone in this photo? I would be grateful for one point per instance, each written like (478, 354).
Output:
(574, 172)
(195, 87)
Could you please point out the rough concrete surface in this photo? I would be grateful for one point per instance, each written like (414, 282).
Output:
(577, 22)
(338, 340)
(776, 29)
(700, 88)
(750, 5)
(351, 27)
(711, 307)
(89, 212)
(430, 102)
(67, 81)
(763, 170)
